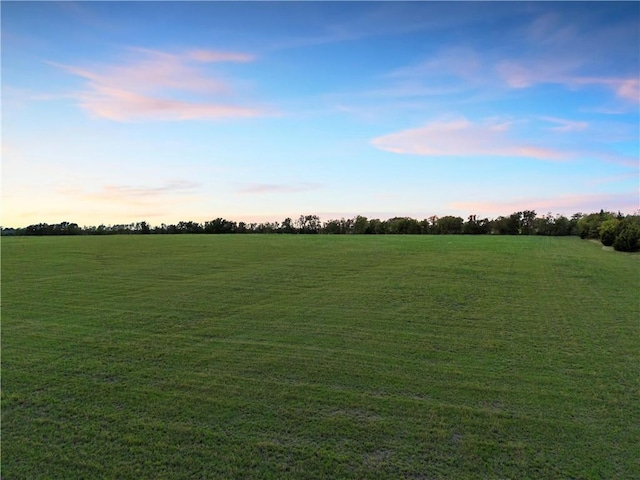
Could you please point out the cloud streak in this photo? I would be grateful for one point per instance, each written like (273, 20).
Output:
(462, 138)
(122, 105)
(270, 188)
(564, 125)
(562, 204)
(129, 194)
(519, 75)
(155, 85)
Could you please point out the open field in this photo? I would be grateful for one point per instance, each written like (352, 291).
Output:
(319, 357)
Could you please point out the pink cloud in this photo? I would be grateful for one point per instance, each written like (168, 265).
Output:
(629, 89)
(463, 138)
(625, 88)
(207, 56)
(153, 85)
(121, 105)
(519, 75)
(129, 193)
(567, 204)
(515, 75)
(624, 160)
(129, 201)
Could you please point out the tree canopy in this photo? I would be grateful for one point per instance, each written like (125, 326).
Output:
(621, 232)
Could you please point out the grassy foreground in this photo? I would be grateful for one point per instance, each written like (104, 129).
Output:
(319, 357)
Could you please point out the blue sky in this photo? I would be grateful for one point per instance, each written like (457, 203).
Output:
(116, 112)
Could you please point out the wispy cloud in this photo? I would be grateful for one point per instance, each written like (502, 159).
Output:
(461, 137)
(567, 204)
(122, 105)
(271, 188)
(626, 88)
(563, 125)
(141, 194)
(616, 178)
(461, 62)
(519, 74)
(207, 56)
(155, 85)
(566, 49)
(618, 159)
(556, 48)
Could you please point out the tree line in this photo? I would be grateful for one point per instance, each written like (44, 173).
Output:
(621, 232)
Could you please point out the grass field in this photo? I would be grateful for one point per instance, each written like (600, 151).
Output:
(318, 357)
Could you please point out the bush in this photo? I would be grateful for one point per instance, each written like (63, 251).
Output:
(608, 230)
(588, 226)
(628, 238)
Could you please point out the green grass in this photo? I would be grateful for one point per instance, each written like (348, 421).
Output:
(319, 357)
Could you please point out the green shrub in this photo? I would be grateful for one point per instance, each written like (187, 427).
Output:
(588, 226)
(628, 237)
(608, 230)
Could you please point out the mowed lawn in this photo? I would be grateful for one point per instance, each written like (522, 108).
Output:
(315, 357)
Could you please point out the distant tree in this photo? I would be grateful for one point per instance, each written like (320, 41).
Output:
(500, 226)
(473, 226)
(287, 226)
(562, 225)
(544, 225)
(143, 228)
(70, 228)
(347, 225)
(628, 237)
(218, 226)
(575, 218)
(513, 223)
(64, 228)
(37, 229)
(377, 226)
(332, 227)
(268, 227)
(336, 226)
(160, 229)
(425, 226)
(403, 226)
(550, 225)
(527, 222)
(309, 224)
(609, 230)
(392, 225)
(361, 225)
(189, 227)
(450, 225)
(588, 225)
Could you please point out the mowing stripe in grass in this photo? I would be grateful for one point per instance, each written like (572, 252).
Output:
(319, 357)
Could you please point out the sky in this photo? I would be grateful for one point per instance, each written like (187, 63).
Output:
(119, 112)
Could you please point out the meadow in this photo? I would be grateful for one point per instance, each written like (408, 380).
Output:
(319, 356)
